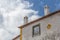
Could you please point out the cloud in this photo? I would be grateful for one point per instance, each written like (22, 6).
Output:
(34, 17)
(3, 35)
(13, 12)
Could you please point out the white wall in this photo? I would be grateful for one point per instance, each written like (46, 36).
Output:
(53, 20)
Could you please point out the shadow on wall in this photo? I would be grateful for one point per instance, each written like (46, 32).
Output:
(51, 36)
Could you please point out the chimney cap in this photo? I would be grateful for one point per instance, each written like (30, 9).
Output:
(25, 16)
(46, 6)
(25, 19)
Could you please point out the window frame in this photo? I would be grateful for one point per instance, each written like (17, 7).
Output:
(38, 25)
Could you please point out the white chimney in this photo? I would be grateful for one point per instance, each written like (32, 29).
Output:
(46, 10)
(25, 19)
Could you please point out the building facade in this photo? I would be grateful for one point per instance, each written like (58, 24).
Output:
(44, 28)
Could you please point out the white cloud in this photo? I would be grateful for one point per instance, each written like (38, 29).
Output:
(34, 17)
(4, 34)
(13, 12)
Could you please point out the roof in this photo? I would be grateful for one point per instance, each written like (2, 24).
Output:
(16, 37)
(39, 19)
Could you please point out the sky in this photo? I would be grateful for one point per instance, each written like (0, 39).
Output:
(12, 14)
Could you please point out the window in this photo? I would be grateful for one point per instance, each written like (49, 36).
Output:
(36, 30)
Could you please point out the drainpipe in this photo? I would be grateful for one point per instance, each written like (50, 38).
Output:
(21, 33)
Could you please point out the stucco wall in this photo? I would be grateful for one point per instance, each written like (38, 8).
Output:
(53, 20)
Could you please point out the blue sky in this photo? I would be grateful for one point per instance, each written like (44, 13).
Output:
(39, 4)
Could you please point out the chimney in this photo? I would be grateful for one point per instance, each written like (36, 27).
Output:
(25, 19)
(46, 10)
